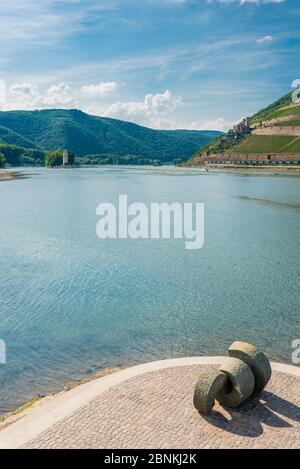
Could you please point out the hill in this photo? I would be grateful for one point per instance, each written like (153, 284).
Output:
(98, 138)
(270, 135)
(10, 137)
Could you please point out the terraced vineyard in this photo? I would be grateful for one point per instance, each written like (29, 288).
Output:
(288, 123)
(288, 111)
(270, 135)
(268, 144)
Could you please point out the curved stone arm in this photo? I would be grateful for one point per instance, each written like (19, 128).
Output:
(209, 384)
(255, 359)
(240, 383)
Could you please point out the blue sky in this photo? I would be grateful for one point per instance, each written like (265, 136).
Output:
(161, 63)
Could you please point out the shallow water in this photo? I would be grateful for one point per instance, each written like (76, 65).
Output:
(71, 304)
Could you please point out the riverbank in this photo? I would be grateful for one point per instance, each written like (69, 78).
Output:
(294, 168)
(7, 175)
(19, 412)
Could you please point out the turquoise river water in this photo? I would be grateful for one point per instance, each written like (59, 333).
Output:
(72, 304)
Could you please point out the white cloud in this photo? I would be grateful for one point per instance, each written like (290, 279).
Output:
(60, 89)
(265, 39)
(57, 96)
(31, 21)
(153, 111)
(45, 22)
(25, 96)
(217, 124)
(101, 89)
(21, 96)
(2, 91)
(161, 102)
(23, 88)
(243, 2)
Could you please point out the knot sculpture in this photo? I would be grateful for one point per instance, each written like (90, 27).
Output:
(245, 372)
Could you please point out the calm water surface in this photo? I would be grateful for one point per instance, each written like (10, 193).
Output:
(71, 304)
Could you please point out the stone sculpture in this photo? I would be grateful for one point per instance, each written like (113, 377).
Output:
(255, 359)
(246, 372)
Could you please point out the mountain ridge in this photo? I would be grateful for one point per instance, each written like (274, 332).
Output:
(89, 135)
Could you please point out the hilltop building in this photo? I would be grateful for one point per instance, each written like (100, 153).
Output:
(243, 128)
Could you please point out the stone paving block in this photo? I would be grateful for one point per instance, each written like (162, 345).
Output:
(118, 420)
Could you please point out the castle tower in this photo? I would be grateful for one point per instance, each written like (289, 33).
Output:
(65, 158)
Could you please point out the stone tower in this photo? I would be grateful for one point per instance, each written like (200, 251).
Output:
(65, 158)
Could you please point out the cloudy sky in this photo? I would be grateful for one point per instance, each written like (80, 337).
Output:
(161, 63)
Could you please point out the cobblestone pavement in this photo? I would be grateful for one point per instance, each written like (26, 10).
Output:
(155, 410)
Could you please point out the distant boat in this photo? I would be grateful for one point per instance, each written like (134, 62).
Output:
(157, 164)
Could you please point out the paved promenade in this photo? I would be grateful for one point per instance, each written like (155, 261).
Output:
(154, 409)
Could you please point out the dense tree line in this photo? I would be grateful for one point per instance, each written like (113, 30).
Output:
(18, 156)
(14, 155)
(2, 160)
(112, 159)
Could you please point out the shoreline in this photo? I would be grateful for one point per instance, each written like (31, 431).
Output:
(22, 410)
(14, 415)
(8, 175)
(42, 414)
(253, 167)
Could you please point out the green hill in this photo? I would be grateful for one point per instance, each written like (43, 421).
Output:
(272, 134)
(265, 113)
(98, 137)
(13, 138)
(289, 111)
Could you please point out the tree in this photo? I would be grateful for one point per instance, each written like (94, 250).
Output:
(33, 156)
(2, 160)
(55, 158)
(71, 156)
(12, 153)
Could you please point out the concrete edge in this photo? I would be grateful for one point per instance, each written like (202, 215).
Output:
(52, 410)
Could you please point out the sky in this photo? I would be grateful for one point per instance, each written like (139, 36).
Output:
(166, 64)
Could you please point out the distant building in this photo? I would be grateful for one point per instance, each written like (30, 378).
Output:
(243, 128)
(65, 158)
(247, 121)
